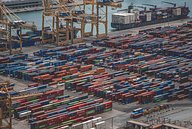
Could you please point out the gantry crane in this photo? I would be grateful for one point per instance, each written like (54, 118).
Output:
(10, 23)
(62, 21)
(6, 105)
(100, 14)
(78, 18)
(73, 14)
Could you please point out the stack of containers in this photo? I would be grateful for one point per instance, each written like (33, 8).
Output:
(54, 109)
(67, 111)
(122, 41)
(45, 72)
(21, 69)
(185, 90)
(83, 78)
(4, 60)
(84, 125)
(69, 53)
(172, 40)
(126, 89)
(123, 18)
(178, 41)
(22, 108)
(144, 111)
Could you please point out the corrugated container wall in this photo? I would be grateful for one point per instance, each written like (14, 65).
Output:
(148, 14)
(136, 12)
(123, 18)
(177, 11)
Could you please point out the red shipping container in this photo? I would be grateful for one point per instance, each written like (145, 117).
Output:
(33, 85)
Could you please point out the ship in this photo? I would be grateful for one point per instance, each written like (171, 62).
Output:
(135, 17)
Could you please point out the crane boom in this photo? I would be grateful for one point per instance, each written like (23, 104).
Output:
(174, 4)
(155, 6)
(26, 96)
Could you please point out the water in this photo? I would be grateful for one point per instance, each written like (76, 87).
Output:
(36, 16)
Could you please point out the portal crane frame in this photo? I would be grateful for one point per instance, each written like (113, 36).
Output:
(6, 105)
(10, 22)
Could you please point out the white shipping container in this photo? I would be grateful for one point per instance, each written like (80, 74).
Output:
(30, 63)
(148, 16)
(174, 12)
(61, 85)
(64, 127)
(77, 126)
(137, 12)
(24, 114)
(100, 125)
(123, 18)
(96, 120)
(115, 18)
(87, 124)
(137, 17)
(178, 11)
(159, 12)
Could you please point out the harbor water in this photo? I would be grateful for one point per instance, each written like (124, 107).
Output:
(36, 16)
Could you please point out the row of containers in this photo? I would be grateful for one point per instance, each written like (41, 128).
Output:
(52, 67)
(122, 86)
(139, 112)
(165, 67)
(173, 68)
(54, 109)
(171, 40)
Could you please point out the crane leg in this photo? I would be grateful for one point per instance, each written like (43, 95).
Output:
(1, 117)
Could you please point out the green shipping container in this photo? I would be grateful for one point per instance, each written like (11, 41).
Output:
(90, 112)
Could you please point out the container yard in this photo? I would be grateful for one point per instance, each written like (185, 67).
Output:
(138, 78)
